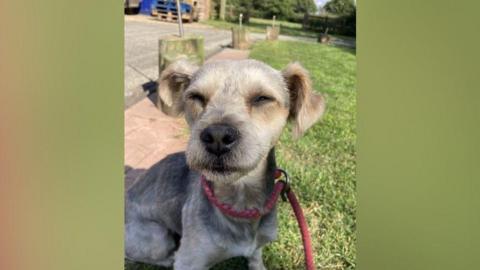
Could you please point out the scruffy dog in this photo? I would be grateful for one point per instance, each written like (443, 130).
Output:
(236, 111)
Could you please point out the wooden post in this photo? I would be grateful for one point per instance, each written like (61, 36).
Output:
(223, 3)
(324, 37)
(240, 38)
(273, 31)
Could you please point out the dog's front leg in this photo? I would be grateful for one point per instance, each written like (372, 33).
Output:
(255, 262)
(194, 254)
(190, 260)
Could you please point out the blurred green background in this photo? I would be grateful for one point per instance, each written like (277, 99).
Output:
(418, 115)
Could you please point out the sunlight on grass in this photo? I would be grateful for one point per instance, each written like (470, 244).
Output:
(322, 163)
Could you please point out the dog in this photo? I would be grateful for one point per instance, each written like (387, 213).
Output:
(236, 111)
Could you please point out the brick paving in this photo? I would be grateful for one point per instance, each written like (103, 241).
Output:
(150, 135)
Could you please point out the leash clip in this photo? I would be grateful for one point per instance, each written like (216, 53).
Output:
(286, 187)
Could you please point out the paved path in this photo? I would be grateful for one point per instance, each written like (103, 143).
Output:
(151, 135)
(141, 50)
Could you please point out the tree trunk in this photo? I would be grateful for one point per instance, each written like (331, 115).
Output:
(223, 3)
(246, 17)
(305, 21)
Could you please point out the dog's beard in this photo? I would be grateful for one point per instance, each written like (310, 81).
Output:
(217, 169)
(222, 177)
(222, 169)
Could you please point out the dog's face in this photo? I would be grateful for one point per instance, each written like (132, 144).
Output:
(236, 111)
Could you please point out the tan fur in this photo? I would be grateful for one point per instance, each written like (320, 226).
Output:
(227, 90)
(171, 85)
(306, 107)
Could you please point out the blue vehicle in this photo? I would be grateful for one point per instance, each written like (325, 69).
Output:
(167, 10)
(166, 6)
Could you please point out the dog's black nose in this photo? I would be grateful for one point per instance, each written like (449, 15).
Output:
(219, 138)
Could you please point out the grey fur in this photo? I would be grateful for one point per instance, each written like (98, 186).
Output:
(168, 219)
(169, 199)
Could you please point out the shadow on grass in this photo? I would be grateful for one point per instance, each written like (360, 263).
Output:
(348, 50)
(284, 30)
(142, 266)
(238, 263)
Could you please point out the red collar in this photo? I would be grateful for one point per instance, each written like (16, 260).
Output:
(252, 213)
(281, 187)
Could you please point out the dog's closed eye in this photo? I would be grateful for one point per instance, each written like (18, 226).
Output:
(197, 97)
(261, 100)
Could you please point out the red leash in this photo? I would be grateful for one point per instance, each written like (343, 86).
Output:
(282, 187)
(302, 223)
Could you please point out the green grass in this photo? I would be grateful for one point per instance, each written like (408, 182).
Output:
(321, 164)
(260, 25)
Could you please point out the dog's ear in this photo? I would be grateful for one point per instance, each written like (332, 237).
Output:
(174, 79)
(306, 107)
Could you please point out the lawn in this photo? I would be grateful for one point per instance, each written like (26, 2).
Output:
(257, 25)
(321, 164)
